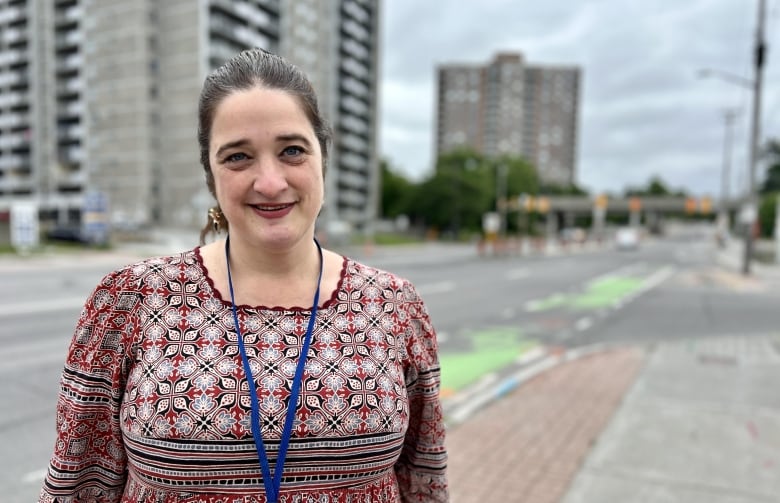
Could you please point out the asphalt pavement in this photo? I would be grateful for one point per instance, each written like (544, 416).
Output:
(689, 421)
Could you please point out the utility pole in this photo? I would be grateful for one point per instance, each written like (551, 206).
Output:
(759, 57)
(501, 196)
(725, 184)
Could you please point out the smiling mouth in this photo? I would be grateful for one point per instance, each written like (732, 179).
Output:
(271, 207)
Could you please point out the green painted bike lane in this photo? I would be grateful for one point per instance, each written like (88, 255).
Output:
(495, 348)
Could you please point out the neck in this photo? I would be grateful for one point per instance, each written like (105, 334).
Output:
(298, 261)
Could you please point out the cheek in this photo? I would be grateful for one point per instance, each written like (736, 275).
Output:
(220, 189)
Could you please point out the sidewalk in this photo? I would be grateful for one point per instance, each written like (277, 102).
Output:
(701, 424)
(689, 421)
(684, 421)
(528, 446)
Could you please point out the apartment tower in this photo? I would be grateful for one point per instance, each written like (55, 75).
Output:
(100, 96)
(510, 108)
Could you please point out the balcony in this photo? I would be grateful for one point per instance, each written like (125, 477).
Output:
(68, 16)
(74, 132)
(11, 35)
(69, 39)
(354, 105)
(15, 183)
(14, 161)
(11, 99)
(70, 108)
(11, 56)
(70, 86)
(251, 38)
(73, 178)
(9, 15)
(12, 120)
(70, 62)
(354, 143)
(73, 155)
(12, 140)
(256, 16)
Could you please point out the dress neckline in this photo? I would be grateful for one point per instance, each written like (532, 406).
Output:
(217, 295)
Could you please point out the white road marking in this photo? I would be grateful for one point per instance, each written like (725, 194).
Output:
(583, 323)
(530, 355)
(34, 477)
(440, 287)
(657, 278)
(38, 353)
(537, 304)
(625, 270)
(38, 306)
(515, 274)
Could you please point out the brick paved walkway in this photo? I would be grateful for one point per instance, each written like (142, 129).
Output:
(527, 447)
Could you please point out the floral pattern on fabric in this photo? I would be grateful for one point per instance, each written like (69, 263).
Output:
(154, 403)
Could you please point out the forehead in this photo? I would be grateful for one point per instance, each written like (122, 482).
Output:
(260, 109)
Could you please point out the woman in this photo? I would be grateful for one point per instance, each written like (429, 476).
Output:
(258, 367)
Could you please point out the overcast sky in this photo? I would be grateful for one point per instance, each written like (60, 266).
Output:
(644, 111)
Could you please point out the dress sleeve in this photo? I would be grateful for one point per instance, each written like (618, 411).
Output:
(421, 469)
(89, 462)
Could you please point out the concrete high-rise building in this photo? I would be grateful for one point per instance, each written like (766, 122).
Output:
(551, 108)
(337, 44)
(510, 108)
(101, 96)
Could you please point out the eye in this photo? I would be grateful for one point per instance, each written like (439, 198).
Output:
(293, 151)
(235, 157)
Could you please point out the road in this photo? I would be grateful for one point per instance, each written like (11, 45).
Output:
(488, 312)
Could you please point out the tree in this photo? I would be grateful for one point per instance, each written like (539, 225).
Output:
(655, 187)
(397, 192)
(772, 180)
(457, 194)
(521, 177)
(766, 213)
(563, 190)
(465, 186)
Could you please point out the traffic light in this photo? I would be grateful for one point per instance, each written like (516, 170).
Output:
(705, 205)
(690, 205)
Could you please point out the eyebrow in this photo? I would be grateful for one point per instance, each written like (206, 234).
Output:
(233, 144)
(293, 137)
(283, 138)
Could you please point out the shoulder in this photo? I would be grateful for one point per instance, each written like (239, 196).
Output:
(136, 273)
(358, 274)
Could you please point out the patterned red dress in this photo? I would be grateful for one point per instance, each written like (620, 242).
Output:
(154, 403)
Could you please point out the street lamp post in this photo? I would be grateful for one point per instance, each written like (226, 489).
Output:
(723, 217)
(751, 211)
(755, 135)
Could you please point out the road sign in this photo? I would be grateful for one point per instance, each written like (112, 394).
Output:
(25, 233)
(748, 213)
(491, 222)
(705, 205)
(94, 217)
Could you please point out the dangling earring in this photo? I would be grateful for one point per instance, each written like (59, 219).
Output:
(215, 215)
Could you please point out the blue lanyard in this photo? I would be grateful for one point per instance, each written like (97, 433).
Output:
(272, 485)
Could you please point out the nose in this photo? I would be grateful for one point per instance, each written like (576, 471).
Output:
(269, 177)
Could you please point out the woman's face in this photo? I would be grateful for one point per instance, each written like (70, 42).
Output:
(267, 167)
